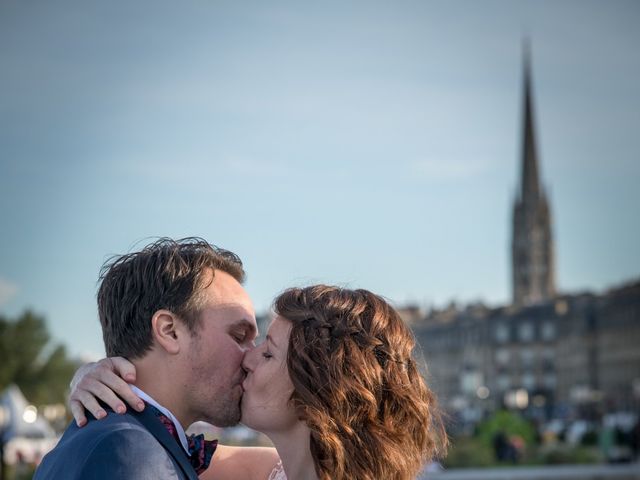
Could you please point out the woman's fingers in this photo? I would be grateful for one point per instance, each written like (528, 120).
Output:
(124, 368)
(102, 382)
(77, 410)
(112, 386)
(83, 399)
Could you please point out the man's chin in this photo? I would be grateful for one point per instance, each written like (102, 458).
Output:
(229, 418)
(227, 421)
(226, 411)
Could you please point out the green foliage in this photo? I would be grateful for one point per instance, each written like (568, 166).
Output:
(22, 471)
(510, 424)
(468, 452)
(565, 454)
(590, 439)
(42, 372)
(473, 452)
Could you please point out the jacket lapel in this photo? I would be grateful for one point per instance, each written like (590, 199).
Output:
(155, 427)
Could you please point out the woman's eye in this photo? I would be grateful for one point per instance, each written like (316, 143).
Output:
(267, 355)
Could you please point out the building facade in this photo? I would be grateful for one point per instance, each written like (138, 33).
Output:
(575, 355)
(549, 355)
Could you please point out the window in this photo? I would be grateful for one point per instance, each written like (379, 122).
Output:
(470, 381)
(528, 381)
(550, 381)
(502, 333)
(548, 359)
(548, 331)
(502, 356)
(525, 332)
(527, 357)
(503, 382)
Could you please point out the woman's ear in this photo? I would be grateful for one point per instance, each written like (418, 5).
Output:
(165, 328)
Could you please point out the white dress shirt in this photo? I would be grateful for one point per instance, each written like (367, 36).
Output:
(181, 435)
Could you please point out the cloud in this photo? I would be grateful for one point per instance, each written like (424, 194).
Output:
(7, 291)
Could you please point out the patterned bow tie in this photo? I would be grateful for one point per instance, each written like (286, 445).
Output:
(200, 450)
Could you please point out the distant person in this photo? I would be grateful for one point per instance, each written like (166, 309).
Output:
(635, 439)
(501, 446)
(334, 386)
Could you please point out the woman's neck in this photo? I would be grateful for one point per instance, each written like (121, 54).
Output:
(294, 449)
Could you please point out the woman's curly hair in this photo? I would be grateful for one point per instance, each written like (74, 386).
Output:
(357, 386)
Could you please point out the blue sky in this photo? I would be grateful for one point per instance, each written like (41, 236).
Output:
(370, 144)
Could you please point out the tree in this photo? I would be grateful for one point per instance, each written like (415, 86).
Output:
(509, 434)
(28, 359)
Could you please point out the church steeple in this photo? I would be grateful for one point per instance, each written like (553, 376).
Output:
(532, 243)
(530, 183)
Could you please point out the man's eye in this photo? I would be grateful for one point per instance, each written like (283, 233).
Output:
(240, 337)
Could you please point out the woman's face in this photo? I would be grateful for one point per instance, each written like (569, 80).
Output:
(268, 387)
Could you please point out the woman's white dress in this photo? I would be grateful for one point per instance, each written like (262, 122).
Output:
(277, 473)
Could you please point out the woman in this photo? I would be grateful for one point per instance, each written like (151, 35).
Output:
(336, 389)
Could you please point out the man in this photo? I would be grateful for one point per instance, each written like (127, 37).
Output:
(178, 312)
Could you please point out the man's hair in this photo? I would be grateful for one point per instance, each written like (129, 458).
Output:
(167, 274)
(357, 385)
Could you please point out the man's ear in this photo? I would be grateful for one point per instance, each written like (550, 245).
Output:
(166, 328)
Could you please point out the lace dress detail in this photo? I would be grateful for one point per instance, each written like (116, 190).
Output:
(277, 473)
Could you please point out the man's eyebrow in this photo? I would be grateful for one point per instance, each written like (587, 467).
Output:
(270, 339)
(244, 323)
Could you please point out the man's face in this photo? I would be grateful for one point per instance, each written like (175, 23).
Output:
(213, 387)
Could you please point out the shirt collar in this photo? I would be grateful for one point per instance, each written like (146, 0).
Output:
(179, 429)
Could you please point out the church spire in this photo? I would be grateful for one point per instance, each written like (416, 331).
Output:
(532, 243)
(530, 190)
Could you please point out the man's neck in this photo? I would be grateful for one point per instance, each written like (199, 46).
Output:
(178, 428)
(163, 389)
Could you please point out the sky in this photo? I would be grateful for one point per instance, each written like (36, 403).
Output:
(367, 144)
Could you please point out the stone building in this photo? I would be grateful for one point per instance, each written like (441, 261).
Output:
(572, 355)
(546, 354)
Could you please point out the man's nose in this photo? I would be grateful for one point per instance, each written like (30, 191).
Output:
(248, 346)
(246, 359)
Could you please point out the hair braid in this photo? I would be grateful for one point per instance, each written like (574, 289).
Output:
(357, 386)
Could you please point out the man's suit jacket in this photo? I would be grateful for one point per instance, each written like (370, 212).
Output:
(130, 446)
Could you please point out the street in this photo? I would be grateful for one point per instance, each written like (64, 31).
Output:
(561, 472)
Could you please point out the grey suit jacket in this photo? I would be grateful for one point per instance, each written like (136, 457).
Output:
(130, 446)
